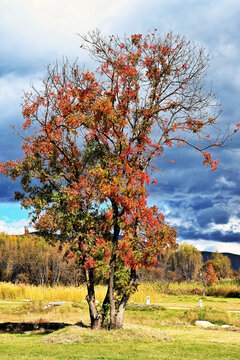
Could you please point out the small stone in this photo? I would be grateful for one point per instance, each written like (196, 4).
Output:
(204, 324)
(57, 303)
(226, 326)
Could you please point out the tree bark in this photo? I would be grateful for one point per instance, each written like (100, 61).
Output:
(116, 322)
(111, 288)
(117, 317)
(95, 316)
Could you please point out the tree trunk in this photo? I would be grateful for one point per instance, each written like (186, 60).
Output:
(117, 320)
(111, 297)
(117, 317)
(105, 311)
(111, 286)
(95, 316)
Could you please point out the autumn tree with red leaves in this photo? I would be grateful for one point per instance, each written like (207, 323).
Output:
(210, 275)
(89, 145)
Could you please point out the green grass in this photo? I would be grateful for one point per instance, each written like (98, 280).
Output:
(149, 333)
(175, 343)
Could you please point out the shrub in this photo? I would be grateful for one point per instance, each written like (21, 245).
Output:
(218, 317)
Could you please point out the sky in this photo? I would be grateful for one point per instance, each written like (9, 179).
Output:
(202, 205)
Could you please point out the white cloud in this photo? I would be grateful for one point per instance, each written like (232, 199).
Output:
(221, 10)
(34, 33)
(14, 227)
(11, 92)
(223, 181)
(205, 245)
(42, 26)
(233, 225)
(177, 222)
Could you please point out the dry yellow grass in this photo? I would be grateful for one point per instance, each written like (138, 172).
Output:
(144, 290)
(179, 294)
(10, 291)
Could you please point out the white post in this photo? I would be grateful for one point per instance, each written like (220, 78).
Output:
(200, 303)
(148, 300)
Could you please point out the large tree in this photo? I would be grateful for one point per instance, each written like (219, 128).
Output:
(221, 265)
(89, 149)
(186, 261)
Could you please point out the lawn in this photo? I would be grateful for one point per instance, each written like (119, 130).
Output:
(150, 332)
(166, 342)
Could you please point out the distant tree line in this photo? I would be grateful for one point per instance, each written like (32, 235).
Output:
(186, 264)
(31, 259)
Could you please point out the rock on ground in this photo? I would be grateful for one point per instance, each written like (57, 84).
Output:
(204, 324)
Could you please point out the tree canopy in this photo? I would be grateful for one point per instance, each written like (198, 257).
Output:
(221, 265)
(185, 262)
(90, 143)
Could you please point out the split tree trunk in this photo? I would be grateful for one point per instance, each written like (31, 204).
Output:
(110, 315)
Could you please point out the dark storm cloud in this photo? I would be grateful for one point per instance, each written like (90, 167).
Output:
(212, 215)
(10, 146)
(191, 234)
(7, 190)
(200, 203)
(236, 191)
(194, 199)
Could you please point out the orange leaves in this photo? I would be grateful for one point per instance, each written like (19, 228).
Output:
(89, 264)
(194, 125)
(136, 38)
(11, 168)
(174, 127)
(209, 162)
(154, 236)
(29, 110)
(210, 275)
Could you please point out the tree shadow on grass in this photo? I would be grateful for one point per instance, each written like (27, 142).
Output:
(39, 327)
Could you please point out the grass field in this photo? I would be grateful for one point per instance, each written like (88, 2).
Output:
(158, 332)
(173, 342)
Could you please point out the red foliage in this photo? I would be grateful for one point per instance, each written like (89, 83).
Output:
(210, 275)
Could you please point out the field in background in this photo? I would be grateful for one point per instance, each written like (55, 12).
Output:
(166, 331)
(224, 288)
